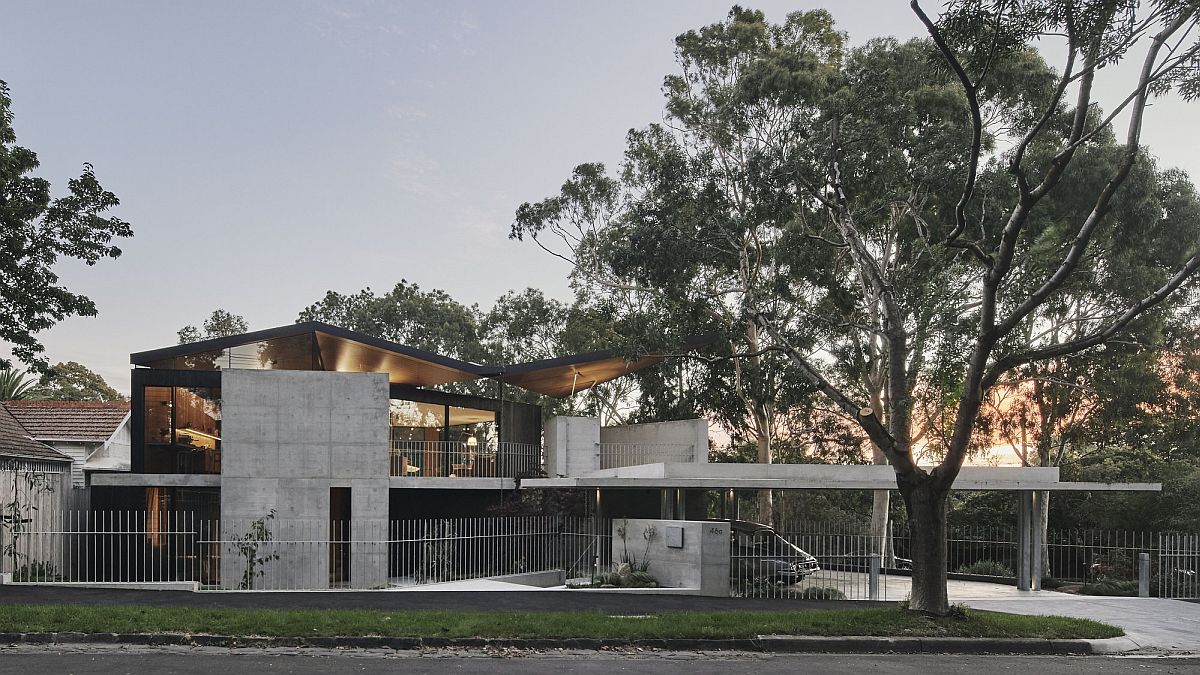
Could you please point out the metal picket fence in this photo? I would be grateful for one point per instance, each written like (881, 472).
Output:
(1099, 561)
(147, 547)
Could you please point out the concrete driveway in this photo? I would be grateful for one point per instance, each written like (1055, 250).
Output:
(1154, 624)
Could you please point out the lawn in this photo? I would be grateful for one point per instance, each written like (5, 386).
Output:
(886, 621)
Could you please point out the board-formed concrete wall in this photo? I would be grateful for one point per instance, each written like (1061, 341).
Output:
(571, 445)
(701, 563)
(287, 438)
(681, 432)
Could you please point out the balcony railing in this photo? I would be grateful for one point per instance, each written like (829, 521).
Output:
(455, 459)
(614, 455)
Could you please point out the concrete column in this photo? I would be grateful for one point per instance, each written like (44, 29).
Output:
(1035, 549)
(1023, 522)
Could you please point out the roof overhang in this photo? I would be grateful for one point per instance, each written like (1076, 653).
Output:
(349, 351)
(818, 477)
(566, 375)
(341, 350)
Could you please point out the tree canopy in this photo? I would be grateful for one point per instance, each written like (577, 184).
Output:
(73, 381)
(35, 231)
(911, 224)
(221, 323)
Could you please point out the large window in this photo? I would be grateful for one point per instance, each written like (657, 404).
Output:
(430, 439)
(298, 352)
(182, 430)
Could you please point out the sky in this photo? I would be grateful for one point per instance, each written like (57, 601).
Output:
(267, 152)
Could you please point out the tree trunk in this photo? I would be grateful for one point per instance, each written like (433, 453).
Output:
(927, 545)
(766, 500)
(881, 543)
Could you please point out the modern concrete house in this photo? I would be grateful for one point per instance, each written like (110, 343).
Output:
(320, 427)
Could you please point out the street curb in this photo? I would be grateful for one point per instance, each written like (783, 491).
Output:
(781, 644)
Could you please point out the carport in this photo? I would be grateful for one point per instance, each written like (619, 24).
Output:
(673, 480)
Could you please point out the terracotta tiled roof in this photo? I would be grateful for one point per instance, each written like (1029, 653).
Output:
(15, 441)
(69, 420)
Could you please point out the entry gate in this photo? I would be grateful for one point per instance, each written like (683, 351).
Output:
(1178, 565)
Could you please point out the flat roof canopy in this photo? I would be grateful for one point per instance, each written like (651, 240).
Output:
(818, 477)
(315, 345)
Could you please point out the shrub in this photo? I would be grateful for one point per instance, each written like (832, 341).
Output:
(1115, 587)
(821, 593)
(37, 570)
(987, 568)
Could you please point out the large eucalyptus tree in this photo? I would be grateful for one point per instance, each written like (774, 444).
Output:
(876, 215)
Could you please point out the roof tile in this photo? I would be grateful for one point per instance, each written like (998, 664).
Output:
(69, 420)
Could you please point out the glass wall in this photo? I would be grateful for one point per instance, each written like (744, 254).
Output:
(439, 440)
(182, 430)
(298, 352)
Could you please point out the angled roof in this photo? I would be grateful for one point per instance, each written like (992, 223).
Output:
(565, 375)
(339, 349)
(15, 441)
(91, 421)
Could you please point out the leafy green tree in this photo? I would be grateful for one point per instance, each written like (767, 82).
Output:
(528, 326)
(220, 323)
(16, 385)
(903, 260)
(428, 320)
(73, 381)
(35, 231)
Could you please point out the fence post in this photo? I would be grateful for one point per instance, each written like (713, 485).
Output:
(1143, 575)
(873, 583)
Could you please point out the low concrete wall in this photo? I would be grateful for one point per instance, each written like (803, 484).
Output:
(681, 432)
(546, 579)
(692, 554)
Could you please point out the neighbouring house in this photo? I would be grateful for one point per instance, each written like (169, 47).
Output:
(33, 483)
(94, 434)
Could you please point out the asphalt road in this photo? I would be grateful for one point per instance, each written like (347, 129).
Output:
(198, 661)
(519, 601)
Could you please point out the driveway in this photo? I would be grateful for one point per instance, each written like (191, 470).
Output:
(1155, 624)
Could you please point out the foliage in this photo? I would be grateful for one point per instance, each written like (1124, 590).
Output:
(624, 576)
(15, 385)
(428, 320)
(636, 564)
(72, 381)
(35, 231)
(1112, 587)
(220, 323)
(910, 224)
(821, 593)
(987, 568)
(37, 571)
(248, 545)
(438, 550)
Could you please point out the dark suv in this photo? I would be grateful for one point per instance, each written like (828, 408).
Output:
(759, 554)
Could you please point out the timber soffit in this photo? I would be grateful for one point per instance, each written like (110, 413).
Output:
(558, 376)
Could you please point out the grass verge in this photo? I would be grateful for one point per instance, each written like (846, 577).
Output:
(718, 625)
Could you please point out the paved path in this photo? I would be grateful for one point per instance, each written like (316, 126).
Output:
(1153, 623)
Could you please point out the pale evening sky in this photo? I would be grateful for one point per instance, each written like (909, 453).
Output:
(267, 152)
